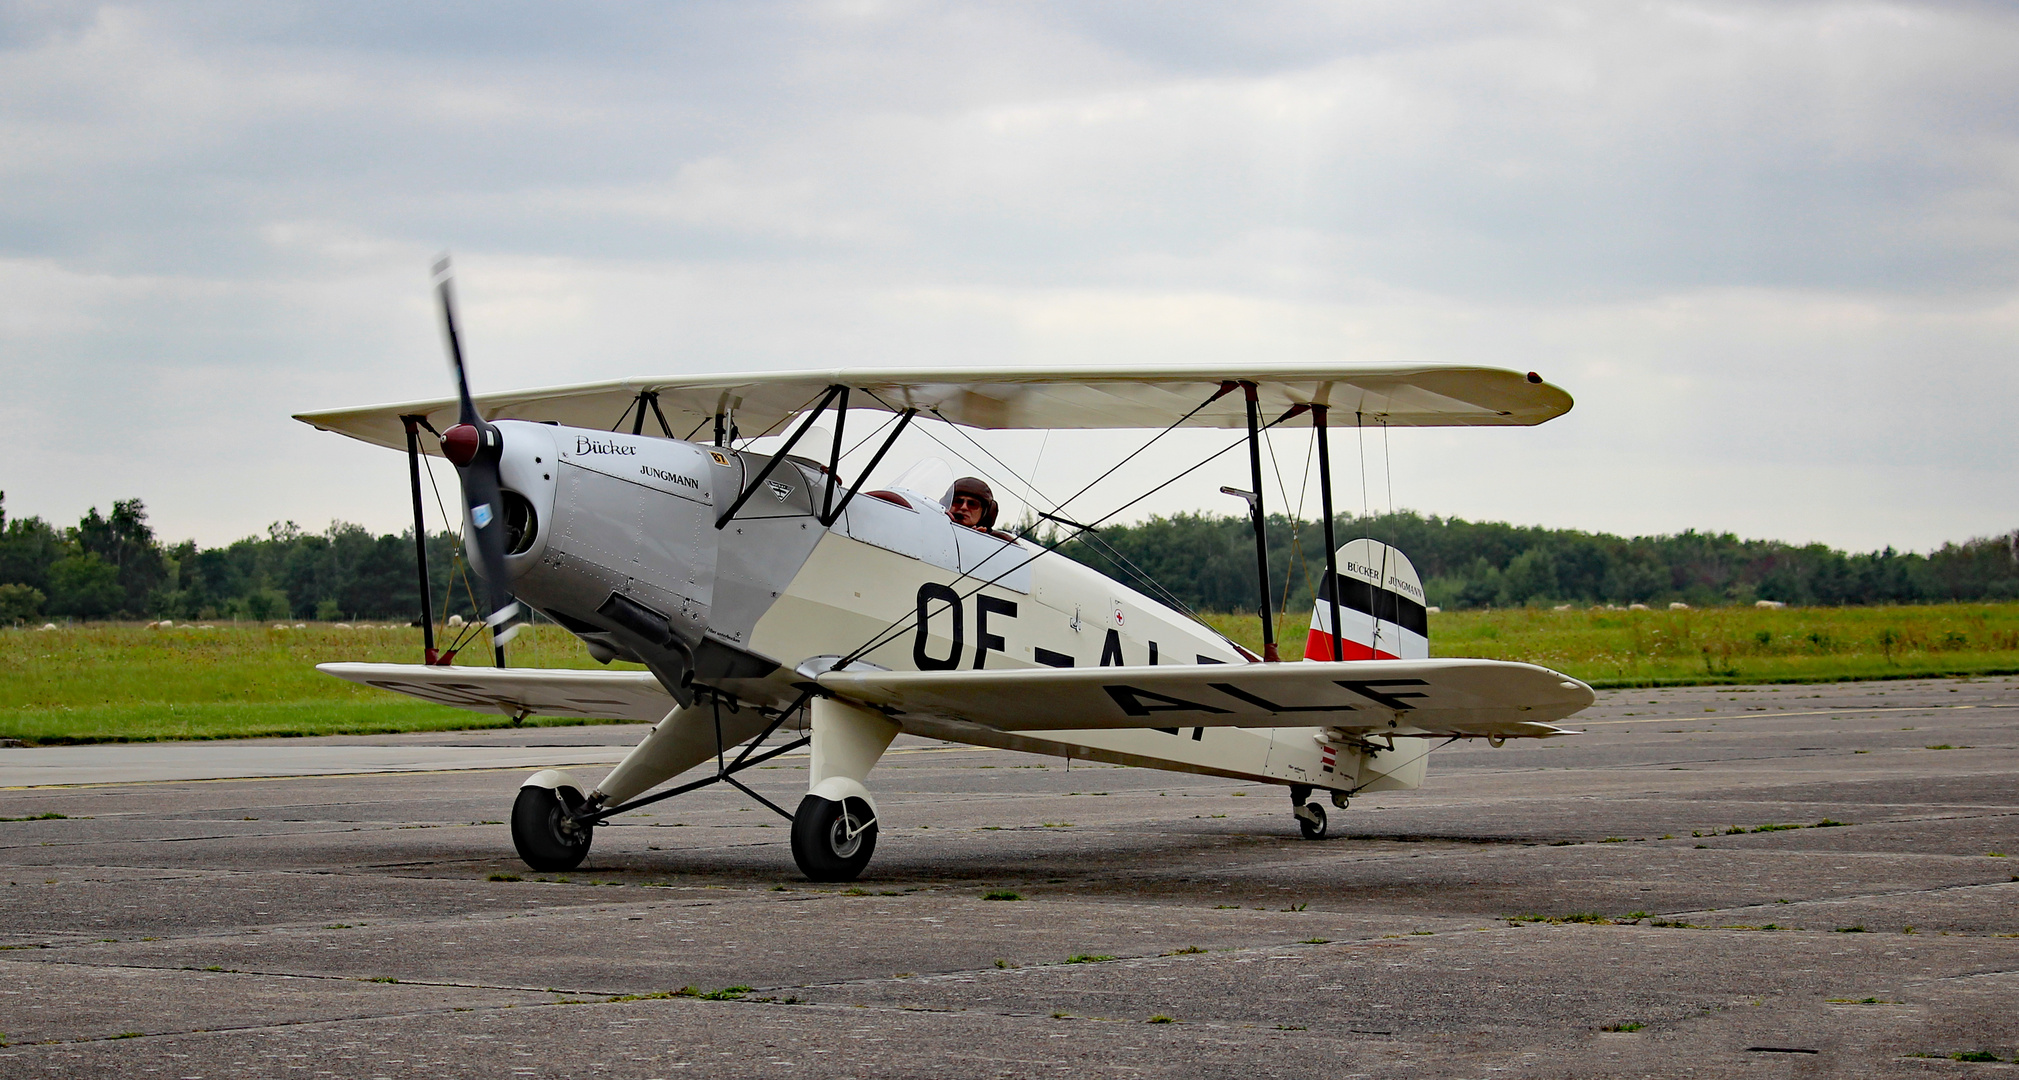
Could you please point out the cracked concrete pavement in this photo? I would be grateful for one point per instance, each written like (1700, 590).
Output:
(1604, 905)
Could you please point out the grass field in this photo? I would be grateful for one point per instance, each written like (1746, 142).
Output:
(119, 681)
(125, 682)
(1714, 645)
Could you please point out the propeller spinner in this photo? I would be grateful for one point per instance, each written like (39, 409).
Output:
(473, 446)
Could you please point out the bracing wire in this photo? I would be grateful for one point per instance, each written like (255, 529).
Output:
(1360, 436)
(899, 627)
(1057, 505)
(942, 444)
(1060, 507)
(1420, 755)
(1202, 463)
(1387, 546)
(1388, 464)
(888, 420)
(782, 418)
(1296, 520)
(1029, 486)
(1367, 513)
(1303, 494)
(1150, 583)
(457, 567)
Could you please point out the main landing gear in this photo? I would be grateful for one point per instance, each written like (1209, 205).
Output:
(834, 832)
(832, 841)
(1311, 816)
(546, 830)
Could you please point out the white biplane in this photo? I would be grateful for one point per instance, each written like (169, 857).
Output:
(761, 590)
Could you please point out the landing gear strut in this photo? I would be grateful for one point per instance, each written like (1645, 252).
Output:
(1310, 815)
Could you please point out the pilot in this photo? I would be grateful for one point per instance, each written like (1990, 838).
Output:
(970, 502)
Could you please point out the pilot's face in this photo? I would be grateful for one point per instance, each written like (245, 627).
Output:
(967, 510)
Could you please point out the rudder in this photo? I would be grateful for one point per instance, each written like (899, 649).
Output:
(1381, 611)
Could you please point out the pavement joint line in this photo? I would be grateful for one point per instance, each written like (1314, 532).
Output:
(1966, 975)
(393, 923)
(1629, 767)
(323, 978)
(1738, 758)
(6, 1050)
(263, 779)
(244, 1028)
(1269, 951)
(613, 748)
(1067, 967)
(333, 830)
(1805, 712)
(750, 999)
(1852, 898)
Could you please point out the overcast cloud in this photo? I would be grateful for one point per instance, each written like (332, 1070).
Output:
(1771, 248)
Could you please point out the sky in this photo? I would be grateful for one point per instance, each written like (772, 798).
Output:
(1771, 248)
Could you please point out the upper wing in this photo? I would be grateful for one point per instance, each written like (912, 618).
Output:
(1399, 395)
(1428, 697)
(593, 695)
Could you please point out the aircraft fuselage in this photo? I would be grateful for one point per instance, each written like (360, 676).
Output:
(616, 537)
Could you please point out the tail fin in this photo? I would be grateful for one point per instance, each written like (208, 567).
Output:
(1380, 605)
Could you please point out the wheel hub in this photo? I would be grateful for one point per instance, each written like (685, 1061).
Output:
(845, 837)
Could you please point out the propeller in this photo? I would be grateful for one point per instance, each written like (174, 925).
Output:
(473, 446)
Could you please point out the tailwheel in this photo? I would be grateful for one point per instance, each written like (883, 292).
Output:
(1311, 821)
(832, 841)
(546, 831)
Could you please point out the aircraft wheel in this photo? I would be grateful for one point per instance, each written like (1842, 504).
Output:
(1312, 827)
(832, 841)
(545, 831)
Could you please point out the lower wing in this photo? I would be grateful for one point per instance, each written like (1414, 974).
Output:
(592, 695)
(1464, 698)
(1417, 697)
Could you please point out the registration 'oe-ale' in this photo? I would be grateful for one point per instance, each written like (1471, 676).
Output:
(775, 603)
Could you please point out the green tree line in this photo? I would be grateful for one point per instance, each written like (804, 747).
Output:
(1207, 562)
(112, 567)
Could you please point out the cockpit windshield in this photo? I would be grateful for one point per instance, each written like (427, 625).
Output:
(930, 477)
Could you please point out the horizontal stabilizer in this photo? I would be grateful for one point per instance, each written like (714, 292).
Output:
(588, 695)
(1417, 697)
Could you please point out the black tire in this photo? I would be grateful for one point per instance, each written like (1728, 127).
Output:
(1312, 830)
(547, 836)
(832, 841)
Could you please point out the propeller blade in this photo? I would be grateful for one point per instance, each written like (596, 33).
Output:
(473, 445)
(487, 514)
(445, 278)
